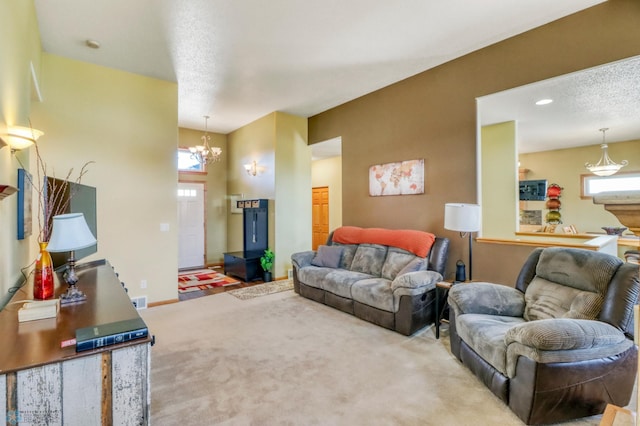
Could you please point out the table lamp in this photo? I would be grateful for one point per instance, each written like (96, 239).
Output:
(464, 218)
(70, 232)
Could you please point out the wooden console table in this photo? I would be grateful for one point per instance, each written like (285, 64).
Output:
(44, 383)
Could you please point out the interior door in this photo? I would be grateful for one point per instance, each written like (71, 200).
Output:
(191, 225)
(320, 216)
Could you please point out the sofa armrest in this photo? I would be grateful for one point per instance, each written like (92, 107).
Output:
(560, 334)
(425, 280)
(302, 259)
(486, 298)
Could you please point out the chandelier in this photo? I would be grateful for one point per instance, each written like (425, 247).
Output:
(605, 166)
(204, 154)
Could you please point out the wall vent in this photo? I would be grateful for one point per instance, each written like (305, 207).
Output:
(139, 302)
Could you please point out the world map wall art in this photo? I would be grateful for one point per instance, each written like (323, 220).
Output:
(402, 178)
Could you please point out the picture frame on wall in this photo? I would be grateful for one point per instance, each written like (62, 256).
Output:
(400, 178)
(25, 217)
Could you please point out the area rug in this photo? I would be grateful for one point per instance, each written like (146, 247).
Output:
(287, 360)
(262, 289)
(202, 279)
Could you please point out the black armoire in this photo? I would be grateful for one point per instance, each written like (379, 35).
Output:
(245, 264)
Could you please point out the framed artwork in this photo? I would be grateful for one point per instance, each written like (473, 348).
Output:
(25, 192)
(402, 178)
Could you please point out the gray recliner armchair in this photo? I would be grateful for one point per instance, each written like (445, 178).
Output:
(559, 345)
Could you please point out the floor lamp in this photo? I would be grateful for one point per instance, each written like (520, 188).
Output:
(464, 218)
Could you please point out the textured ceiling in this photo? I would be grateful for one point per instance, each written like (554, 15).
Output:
(583, 102)
(237, 61)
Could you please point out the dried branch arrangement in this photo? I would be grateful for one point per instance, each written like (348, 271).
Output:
(54, 196)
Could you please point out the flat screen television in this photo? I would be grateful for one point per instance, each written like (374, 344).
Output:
(74, 198)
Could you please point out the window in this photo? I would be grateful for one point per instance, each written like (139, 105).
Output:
(591, 184)
(188, 164)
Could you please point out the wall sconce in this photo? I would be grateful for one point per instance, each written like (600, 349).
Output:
(19, 137)
(252, 169)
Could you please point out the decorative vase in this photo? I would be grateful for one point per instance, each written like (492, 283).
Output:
(43, 274)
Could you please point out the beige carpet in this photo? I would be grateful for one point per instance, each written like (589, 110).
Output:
(285, 360)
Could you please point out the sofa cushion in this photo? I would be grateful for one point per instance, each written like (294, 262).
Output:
(369, 259)
(545, 299)
(313, 276)
(328, 256)
(395, 261)
(375, 292)
(348, 251)
(485, 335)
(339, 281)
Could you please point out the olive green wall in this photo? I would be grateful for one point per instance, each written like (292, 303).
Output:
(278, 143)
(564, 167)
(19, 50)
(433, 116)
(127, 124)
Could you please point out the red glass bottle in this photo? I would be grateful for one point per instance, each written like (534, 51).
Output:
(43, 275)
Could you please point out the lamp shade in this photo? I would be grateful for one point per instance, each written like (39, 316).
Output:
(70, 232)
(462, 217)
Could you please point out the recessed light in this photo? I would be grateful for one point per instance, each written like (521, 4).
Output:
(93, 44)
(544, 101)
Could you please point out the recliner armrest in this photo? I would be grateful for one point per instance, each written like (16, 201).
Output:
(486, 298)
(416, 280)
(559, 334)
(302, 258)
(563, 340)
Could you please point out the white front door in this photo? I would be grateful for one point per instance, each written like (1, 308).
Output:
(191, 225)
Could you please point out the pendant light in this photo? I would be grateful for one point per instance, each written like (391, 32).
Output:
(605, 166)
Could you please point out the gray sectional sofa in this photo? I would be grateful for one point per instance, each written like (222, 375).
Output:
(386, 277)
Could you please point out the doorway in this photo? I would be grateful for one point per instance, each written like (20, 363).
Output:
(191, 225)
(320, 216)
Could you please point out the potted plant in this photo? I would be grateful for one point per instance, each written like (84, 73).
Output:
(266, 261)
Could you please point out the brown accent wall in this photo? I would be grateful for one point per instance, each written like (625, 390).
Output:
(433, 116)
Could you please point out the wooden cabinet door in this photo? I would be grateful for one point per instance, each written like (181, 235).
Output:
(320, 215)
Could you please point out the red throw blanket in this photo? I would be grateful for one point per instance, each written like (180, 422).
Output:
(417, 242)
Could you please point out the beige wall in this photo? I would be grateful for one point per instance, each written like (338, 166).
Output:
(19, 48)
(328, 172)
(564, 167)
(216, 200)
(433, 116)
(127, 124)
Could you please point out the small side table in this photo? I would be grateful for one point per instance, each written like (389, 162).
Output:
(442, 290)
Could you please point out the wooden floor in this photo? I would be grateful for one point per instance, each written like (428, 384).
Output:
(216, 290)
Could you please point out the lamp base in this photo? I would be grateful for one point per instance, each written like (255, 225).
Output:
(73, 295)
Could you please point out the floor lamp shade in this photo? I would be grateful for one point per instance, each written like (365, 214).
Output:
(462, 217)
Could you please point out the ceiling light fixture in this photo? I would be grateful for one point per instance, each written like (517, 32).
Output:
(94, 44)
(19, 137)
(544, 101)
(204, 154)
(605, 166)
